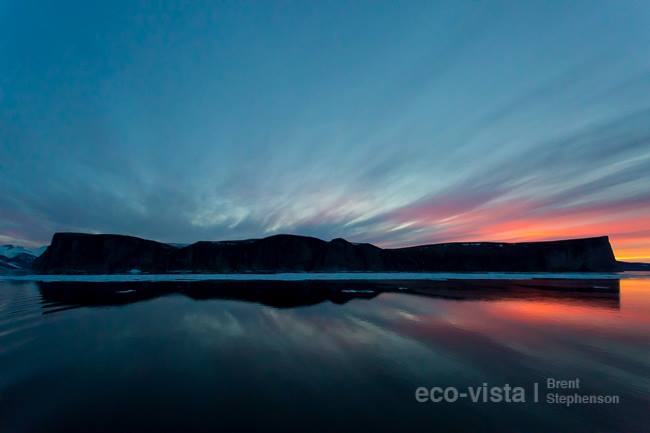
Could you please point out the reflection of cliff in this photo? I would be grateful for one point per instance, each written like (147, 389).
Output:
(599, 293)
(100, 254)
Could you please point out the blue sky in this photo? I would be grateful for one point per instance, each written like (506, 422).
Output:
(390, 122)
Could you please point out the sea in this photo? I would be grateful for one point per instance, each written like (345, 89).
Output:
(325, 353)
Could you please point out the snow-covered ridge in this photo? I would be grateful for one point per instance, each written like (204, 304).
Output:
(11, 251)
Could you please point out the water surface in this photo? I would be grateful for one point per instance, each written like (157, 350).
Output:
(319, 355)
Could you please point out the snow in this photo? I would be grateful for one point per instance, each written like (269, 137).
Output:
(11, 251)
(330, 276)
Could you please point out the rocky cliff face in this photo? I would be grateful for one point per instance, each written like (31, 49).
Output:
(85, 253)
(71, 253)
(576, 255)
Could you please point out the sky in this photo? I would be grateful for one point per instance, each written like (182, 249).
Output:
(396, 123)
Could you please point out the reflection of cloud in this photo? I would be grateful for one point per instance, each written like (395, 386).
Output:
(331, 333)
(214, 325)
(525, 333)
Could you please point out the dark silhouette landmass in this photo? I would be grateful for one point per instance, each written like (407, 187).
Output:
(634, 266)
(78, 253)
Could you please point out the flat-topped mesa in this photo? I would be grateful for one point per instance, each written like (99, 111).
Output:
(105, 254)
(574, 255)
(81, 253)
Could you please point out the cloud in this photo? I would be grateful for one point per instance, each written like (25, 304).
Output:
(390, 125)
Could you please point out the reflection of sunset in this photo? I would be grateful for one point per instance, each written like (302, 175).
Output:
(634, 305)
(548, 312)
(530, 321)
(635, 297)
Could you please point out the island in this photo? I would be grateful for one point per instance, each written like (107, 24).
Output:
(81, 253)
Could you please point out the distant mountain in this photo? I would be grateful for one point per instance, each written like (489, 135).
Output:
(17, 259)
(10, 251)
(21, 262)
(107, 253)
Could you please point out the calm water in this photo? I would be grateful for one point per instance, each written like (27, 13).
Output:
(319, 356)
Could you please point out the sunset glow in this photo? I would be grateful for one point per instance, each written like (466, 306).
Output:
(438, 124)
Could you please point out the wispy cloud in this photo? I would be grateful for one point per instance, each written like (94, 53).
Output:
(393, 125)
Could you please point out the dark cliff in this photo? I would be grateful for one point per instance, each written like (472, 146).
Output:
(575, 255)
(71, 253)
(85, 253)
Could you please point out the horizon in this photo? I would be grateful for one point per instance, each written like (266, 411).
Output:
(396, 125)
(183, 244)
(237, 216)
